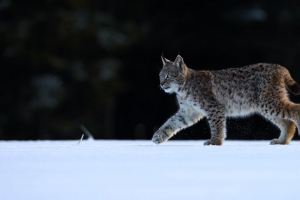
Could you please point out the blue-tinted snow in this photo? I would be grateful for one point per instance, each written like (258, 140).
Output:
(141, 170)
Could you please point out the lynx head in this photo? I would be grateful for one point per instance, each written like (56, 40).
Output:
(172, 75)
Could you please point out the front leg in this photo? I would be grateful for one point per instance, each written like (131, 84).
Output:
(182, 119)
(217, 123)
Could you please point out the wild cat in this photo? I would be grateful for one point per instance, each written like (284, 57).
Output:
(258, 88)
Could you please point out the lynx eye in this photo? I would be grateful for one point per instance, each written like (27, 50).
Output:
(167, 77)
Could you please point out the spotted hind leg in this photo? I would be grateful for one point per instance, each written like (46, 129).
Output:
(287, 130)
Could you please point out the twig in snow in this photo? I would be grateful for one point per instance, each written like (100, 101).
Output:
(90, 136)
(81, 138)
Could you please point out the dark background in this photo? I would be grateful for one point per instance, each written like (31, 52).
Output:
(71, 62)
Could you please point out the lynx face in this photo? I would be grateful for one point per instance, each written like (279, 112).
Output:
(172, 75)
(169, 79)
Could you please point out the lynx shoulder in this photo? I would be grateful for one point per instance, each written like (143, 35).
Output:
(258, 88)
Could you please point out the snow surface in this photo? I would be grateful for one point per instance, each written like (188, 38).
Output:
(142, 170)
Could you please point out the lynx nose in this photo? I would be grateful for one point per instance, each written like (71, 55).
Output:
(162, 86)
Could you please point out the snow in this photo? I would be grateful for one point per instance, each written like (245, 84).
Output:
(142, 170)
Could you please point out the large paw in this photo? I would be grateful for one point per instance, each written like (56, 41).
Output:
(159, 137)
(213, 142)
(276, 141)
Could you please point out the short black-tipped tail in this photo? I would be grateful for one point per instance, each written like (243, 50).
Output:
(295, 88)
(290, 83)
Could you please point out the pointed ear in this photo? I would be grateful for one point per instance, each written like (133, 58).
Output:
(179, 62)
(164, 60)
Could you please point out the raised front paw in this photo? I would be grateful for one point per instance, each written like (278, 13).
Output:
(159, 137)
(213, 142)
(276, 141)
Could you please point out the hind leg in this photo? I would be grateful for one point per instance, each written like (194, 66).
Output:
(287, 130)
(291, 111)
(285, 110)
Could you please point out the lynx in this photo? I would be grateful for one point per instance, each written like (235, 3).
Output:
(258, 88)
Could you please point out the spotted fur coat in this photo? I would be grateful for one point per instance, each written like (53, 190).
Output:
(258, 88)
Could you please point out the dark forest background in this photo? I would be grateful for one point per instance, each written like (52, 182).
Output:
(70, 62)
